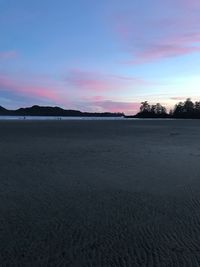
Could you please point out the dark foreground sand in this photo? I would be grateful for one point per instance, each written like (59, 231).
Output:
(100, 193)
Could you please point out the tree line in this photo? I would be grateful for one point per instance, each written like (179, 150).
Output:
(184, 110)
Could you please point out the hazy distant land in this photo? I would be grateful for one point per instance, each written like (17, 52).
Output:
(182, 110)
(55, 111)
(100, 193)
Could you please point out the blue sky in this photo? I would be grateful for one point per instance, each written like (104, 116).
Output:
(106, 55)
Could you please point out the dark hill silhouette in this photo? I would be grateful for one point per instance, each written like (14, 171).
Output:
(54, 111)
(2, 110)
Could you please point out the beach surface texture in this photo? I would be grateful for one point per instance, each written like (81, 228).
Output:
(100, 193)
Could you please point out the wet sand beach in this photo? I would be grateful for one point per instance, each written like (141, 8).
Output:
(100, 193)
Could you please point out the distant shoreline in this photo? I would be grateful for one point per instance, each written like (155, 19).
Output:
(55, 112)
(186, 110)
(56, 118)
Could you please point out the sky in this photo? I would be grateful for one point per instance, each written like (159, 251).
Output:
(92, 55)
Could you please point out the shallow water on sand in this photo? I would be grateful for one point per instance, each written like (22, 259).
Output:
(53, 118)
(57, 118)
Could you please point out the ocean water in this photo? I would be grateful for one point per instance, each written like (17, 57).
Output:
(42, 118)
(54, 118)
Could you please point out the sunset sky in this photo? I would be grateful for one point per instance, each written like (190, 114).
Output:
(99, 55)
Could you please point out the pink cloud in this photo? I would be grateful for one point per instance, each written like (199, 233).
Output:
(160, 51)
(84, 90)
(115, 106)
(190, 3)
(28, 89)
(8, 54)
(98, 82)
(151, 38)
(87, 80)
(178, 98)
(98, 98)
(105, 105)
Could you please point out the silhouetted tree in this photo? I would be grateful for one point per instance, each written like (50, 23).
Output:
(185, 110)
(171, 112)
(159, 109)
(178, 109)
(188, 105)
(188, 109)
(152, 111)
(197, 106)
(145, 107)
